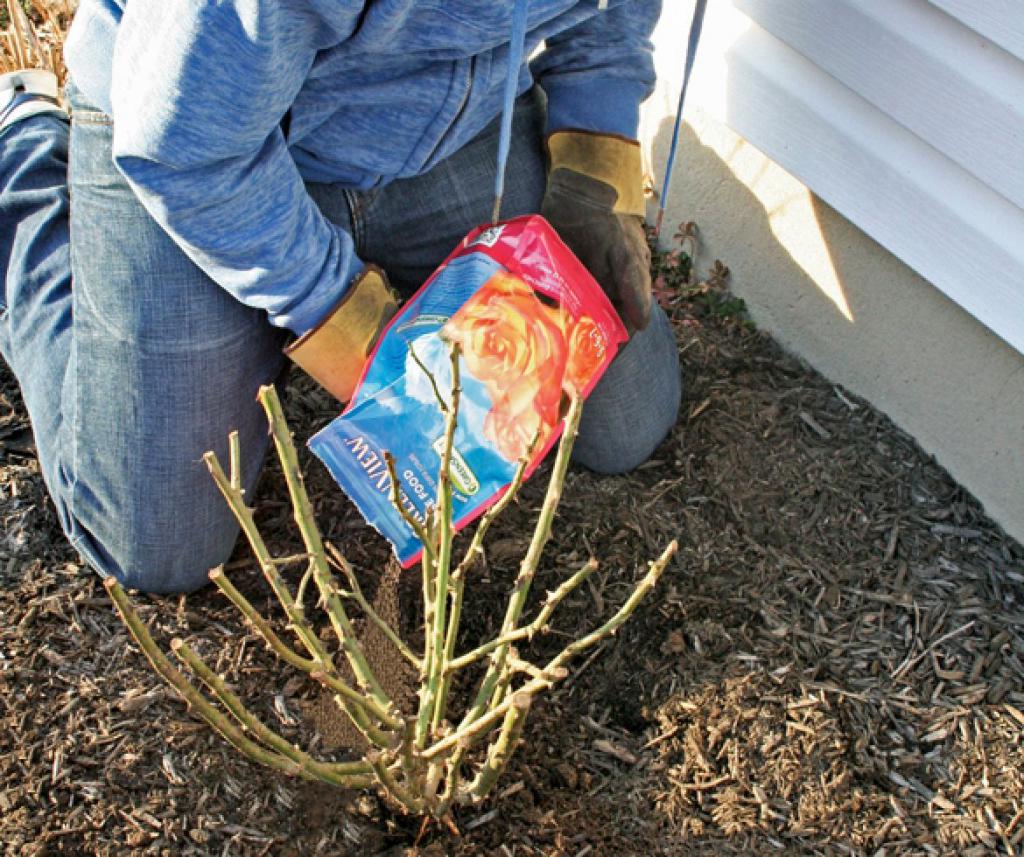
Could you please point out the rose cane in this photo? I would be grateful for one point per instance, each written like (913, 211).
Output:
(421, 774)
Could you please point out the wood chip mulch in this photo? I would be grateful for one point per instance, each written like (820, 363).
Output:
(834, 663)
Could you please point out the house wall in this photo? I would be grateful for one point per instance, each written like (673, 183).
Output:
(865, 190)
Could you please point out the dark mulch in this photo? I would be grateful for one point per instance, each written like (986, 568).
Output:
(832, 665)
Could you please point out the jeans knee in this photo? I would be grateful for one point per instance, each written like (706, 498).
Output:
(620, 451)
(160, 568)
(635, 405)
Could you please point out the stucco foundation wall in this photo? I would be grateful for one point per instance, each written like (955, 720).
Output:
(835, 297)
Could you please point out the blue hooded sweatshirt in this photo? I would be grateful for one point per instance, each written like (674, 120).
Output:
(374, 90)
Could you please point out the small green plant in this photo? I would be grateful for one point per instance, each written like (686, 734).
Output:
(425, 760)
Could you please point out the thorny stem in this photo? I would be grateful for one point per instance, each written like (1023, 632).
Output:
(338, 561)
(402, 761)
(293, 609)
(493, 686)
(262, 626)
(503, 747)
(314, 546)
(445, 533)
(473, 552)
(338, 773)
(235, 461)
(441, 403)
(199, 703)
(555, 668)
(243, 514)
(380, 763)
(356, 706)
(526, 632)
(475, 548)
(396, 500)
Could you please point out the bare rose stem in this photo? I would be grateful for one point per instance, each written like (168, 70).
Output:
(322, 576)
(337, 559)
(402, 763)
(526, 632)
(337, 773)
(351, 777)
(381, 763)
(503, 747)
(243, 514)
(542, 530)
(445, 533)
(474, 550)
(396, 500)
(495, 679)
(555, 670)
(363, 710)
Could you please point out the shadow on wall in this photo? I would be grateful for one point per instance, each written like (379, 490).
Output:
(813, 279)
(832, 295)
(757, 210)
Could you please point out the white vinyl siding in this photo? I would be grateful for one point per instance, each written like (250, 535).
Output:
(907, 116)
(1001, 21)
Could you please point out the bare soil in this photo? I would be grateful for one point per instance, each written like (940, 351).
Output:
(833, 664)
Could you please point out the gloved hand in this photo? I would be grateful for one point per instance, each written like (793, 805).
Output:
(334, 352)
(595, 202)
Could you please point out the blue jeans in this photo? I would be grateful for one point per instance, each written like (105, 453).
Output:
(145, 363)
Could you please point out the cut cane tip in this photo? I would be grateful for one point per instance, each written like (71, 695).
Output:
(522, 700)
(177, 644)
(110, 583)
(216, 573)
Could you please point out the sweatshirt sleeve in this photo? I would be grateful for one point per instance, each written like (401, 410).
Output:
(597, 73)
(197, 96)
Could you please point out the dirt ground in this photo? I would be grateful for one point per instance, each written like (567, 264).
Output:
(833, 664)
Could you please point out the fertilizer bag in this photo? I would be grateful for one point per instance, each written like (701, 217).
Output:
(534, 329)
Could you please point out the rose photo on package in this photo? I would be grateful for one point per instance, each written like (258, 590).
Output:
(532, 331)
(527, 354)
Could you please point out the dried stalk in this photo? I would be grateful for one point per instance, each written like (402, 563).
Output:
(415, 758)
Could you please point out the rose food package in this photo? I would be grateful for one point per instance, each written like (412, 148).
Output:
(534, 328)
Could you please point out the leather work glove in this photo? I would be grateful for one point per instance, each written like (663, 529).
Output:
(595, 202)
(334, 352)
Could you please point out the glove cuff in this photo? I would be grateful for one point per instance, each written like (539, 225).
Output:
(608, 158)
(334, 352)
